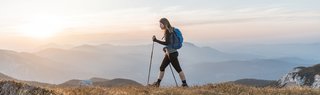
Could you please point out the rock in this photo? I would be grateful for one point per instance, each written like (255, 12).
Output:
(316, 83)
(302, 76)
(292, 78)
(16, 88)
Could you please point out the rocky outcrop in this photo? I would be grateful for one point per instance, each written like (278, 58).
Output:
(316, 83)
(16, 88)
(302, 76)
(292, 78)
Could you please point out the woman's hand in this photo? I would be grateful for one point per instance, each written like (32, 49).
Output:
(164, 49)
(154, 38)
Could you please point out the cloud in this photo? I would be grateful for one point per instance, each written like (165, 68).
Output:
(147, 15)
(206, 19)
(212, 16)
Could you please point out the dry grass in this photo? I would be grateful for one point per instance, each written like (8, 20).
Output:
(210, 89)
(17, 88)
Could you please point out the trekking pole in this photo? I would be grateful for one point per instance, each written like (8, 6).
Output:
(150, 63)
(175, 80)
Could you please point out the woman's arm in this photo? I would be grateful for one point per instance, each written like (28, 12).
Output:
(162, 42)
(166, 42)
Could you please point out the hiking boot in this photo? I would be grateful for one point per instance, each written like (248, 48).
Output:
(155, 84)
(184, 85)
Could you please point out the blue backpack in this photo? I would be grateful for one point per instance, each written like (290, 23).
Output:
(177, 39)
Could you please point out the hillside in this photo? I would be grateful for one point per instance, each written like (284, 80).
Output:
(117, 83)
(19, 88)
(209, 89)
(95, 81)
(256, 82)
(5, 77)
(28, 66)
(99, 82)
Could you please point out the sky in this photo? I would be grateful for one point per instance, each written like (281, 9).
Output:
(28, 24)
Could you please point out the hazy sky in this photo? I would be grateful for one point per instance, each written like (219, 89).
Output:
(26, 24)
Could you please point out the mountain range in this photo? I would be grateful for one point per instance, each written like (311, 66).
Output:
(95, 81)
(201, 64)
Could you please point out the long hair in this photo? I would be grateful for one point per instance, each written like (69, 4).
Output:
(166, 24)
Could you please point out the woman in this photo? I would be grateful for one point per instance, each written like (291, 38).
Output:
(171, 54)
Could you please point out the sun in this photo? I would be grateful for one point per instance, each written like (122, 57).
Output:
(41, 27)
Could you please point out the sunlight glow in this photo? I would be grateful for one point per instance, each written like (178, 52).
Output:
(41, 27)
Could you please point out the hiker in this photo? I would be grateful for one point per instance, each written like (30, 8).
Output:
(171, 54)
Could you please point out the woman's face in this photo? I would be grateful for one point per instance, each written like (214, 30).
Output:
(162, 26)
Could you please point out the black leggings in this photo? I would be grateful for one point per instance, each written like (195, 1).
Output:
(173, 58)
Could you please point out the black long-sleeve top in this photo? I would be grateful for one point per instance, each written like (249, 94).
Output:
(167, 43)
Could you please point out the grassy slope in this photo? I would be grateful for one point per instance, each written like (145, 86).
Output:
(210, 89)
